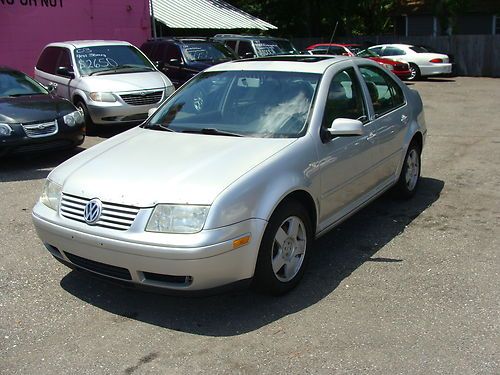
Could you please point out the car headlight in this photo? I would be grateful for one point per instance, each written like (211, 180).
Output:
(51, 194)
(167, 218)
(73, 118)
(5, 130)
(389, 66)
(102, 97)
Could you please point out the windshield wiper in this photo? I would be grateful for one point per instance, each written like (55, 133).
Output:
(121, 67)
(23, 94)
(211, 131)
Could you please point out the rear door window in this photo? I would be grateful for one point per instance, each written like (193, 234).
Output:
(385, 93)
(48, 60)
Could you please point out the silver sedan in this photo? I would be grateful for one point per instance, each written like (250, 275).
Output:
(234, 176)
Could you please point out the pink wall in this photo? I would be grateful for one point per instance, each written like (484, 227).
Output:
(26, 26)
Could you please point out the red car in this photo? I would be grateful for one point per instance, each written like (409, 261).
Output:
(401, 69)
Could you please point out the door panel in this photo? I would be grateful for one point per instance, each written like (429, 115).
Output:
(390, 121)
(346, 162)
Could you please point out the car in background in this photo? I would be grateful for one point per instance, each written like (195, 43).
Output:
(329, 49)
(109, 81)
(250, 46)
(399, 68)
(422, 62)
(180, 59)
(32, 118)
(235, 175)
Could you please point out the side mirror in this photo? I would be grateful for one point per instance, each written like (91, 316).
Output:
(345, 127)
(175, 62)
(151, 111)
(65, 72)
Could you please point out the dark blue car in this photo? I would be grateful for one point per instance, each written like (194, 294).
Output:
(180, 59)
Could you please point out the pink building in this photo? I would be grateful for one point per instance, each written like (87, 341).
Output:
(26, 26)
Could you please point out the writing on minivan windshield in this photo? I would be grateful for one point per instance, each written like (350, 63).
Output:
(110, 60)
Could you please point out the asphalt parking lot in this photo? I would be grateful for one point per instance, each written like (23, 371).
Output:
(400, 288)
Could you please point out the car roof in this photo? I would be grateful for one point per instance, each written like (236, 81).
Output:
(283, 63)
(88, 43)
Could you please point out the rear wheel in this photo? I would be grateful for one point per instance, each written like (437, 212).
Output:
(410, 173)
(89, 125)
(414, 73)
(284, 251)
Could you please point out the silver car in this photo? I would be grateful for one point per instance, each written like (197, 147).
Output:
(236, 174)
(110, 81)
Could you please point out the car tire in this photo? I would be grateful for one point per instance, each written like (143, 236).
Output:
(409, 177)
(284, 250)
(90, 128)
(414, 73)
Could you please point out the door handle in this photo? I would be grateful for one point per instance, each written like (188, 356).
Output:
(404, 119)
(371, 137)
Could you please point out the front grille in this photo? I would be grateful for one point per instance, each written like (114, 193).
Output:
(401, 67)
(102, 268)
(142, 99)
(43, 129)
(114, 216)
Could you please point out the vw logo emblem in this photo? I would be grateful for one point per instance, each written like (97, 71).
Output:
(41, 126)
(143, 93)
(92, 211)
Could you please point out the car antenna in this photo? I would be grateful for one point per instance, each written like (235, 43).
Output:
(333, 34)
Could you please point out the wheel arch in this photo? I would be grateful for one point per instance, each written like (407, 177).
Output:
(306, 200)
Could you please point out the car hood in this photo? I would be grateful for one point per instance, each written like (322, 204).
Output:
(144, 167)
(125, 82)
(33, 108)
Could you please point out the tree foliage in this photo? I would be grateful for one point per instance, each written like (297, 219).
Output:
(319, 17)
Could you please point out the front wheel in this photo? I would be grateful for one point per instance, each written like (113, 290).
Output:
(284, 248)
(90, 128)
(410, 173)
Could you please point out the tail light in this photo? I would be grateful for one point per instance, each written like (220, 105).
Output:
(436, 61)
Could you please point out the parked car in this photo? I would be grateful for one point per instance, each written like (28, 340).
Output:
(110, 81)
(34, 119)
(401, 69)
(250, 46)
(182, 58)
(422, 63)
(329, 49)
(235, 174)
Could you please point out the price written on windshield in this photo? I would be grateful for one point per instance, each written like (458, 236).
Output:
(95, 61)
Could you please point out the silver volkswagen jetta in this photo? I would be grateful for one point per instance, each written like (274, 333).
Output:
(233, 177)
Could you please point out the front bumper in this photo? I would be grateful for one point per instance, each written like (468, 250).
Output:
(188, 269)
(122, 112)
(19, 143)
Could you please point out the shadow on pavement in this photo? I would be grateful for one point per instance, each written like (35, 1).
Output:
(37, 166)
(336, 256)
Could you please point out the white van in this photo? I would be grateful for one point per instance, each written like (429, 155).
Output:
(110, 81)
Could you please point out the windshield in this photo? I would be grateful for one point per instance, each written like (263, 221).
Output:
(271, 47)
(245, 103)
(110, 60)
(214, 52)
(18, 84)
(367, 53)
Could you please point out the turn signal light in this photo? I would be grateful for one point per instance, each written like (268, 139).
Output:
(242, 241)
(436, 61)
